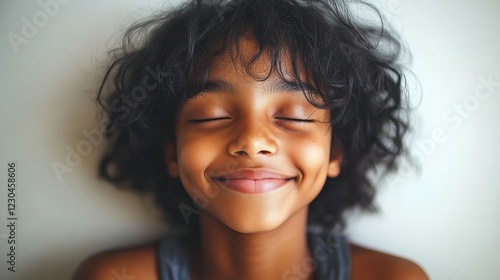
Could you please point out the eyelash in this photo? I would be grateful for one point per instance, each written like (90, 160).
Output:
(227, 118)
(295, 120)
(208, 120)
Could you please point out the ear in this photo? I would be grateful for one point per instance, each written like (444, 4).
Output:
(336, 158)
(171, 159)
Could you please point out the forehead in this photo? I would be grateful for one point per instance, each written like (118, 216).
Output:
(246, 59)
(246, 63)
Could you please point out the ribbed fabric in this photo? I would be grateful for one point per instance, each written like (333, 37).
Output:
(330, 252)
(173, 258)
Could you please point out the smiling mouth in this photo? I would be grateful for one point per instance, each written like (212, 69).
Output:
(250, 186)
(252, 181)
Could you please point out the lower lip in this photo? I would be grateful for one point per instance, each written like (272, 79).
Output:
(253, 186)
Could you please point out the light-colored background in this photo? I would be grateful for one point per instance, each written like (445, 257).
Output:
(446, 219)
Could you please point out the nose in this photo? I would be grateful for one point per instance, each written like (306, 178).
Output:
(252, 139)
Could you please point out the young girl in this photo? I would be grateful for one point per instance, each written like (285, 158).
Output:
(256, 123)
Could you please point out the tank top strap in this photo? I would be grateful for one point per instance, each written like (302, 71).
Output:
(173, 258)
(331, 253)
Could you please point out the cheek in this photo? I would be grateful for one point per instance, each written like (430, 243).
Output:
(195, 151)
(194, 156)
(311, 154)
(312, 158)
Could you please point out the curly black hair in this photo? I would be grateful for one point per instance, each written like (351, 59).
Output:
(164, 60)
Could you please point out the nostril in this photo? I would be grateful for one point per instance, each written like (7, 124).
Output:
(257, 147)
(243, 153)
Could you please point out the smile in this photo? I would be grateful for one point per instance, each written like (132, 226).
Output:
(253, 181)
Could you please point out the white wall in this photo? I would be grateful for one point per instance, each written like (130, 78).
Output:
(445, 219)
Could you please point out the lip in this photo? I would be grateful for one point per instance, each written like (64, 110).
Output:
(252, 181)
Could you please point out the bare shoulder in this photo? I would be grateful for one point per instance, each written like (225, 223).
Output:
(130, 263)
(368, 264)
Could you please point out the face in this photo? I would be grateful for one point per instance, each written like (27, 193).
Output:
(251, 153)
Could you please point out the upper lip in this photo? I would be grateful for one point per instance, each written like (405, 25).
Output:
(253, 174)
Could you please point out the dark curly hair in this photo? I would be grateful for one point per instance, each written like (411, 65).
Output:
(164, 60)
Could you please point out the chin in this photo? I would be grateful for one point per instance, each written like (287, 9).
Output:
(254, 223)
(253, 228)
(257, 213)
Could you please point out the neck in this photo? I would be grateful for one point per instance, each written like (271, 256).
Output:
(227, 254)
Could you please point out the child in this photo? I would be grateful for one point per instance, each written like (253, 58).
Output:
(256, 124)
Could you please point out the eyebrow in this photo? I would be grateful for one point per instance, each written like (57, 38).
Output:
(292, 86)
(278, 85)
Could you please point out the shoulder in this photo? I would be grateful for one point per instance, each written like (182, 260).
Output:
(138, 263)
(374, 265)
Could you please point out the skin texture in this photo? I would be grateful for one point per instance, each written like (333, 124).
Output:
(249, 127)
(242, 124)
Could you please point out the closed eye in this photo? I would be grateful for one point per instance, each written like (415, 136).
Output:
(295, 119)
(208, 120)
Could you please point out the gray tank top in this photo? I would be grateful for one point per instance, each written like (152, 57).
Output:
(331, 256)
